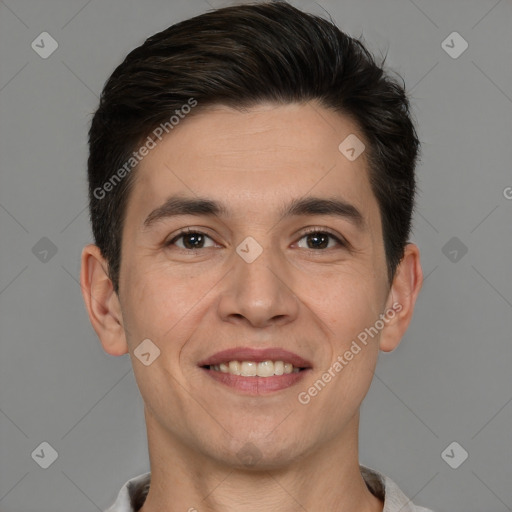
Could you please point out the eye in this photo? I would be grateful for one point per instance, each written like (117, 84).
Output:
(192, 239)
(319, 239)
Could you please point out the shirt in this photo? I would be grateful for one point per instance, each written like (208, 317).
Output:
(133, 493)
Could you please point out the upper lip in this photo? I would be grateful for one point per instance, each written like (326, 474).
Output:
(257, 355)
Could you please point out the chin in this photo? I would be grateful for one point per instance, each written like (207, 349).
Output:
(259, 455)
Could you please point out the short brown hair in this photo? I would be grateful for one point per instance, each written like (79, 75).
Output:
(240, 56)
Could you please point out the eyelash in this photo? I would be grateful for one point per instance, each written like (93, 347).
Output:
(315, 230)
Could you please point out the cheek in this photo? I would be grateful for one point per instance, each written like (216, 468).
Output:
(354, 346)
(350, 309)
(162, 305)
(160, 309)
(347, 301)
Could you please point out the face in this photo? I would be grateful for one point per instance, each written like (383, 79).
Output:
(284, 262)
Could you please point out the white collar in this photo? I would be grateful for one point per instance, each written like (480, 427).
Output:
(378, 484)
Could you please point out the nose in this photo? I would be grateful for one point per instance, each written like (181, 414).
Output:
(259, 292)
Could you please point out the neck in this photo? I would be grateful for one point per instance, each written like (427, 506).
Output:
(326, 478)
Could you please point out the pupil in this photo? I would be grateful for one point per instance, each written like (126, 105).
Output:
(321, 236)
(196, 236)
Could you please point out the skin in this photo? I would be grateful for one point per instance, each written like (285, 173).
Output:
(311, 301)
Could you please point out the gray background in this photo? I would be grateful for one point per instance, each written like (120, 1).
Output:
(448, 381)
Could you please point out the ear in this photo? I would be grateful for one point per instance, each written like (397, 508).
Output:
(401, 299)
(102, 302)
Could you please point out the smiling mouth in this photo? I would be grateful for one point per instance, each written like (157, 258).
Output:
(254, 369)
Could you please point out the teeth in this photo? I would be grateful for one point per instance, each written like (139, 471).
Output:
(253, 369)
(265, 369)
(234, 367)
(249, 369)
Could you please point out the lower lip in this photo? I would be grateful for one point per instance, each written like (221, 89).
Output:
(257, 385)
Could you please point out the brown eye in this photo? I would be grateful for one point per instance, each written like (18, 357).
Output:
(320, 240)
(190, 240)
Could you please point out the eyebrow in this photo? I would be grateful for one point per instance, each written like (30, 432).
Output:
(198, 206)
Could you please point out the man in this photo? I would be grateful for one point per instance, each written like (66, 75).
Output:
(251, 178)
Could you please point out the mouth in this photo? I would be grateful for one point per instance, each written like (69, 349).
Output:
(256, 371)
(263, 369)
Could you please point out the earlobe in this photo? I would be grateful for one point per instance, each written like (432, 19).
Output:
(402, 297)
(101, 302)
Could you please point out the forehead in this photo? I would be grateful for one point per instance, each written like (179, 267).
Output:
(263, 155)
